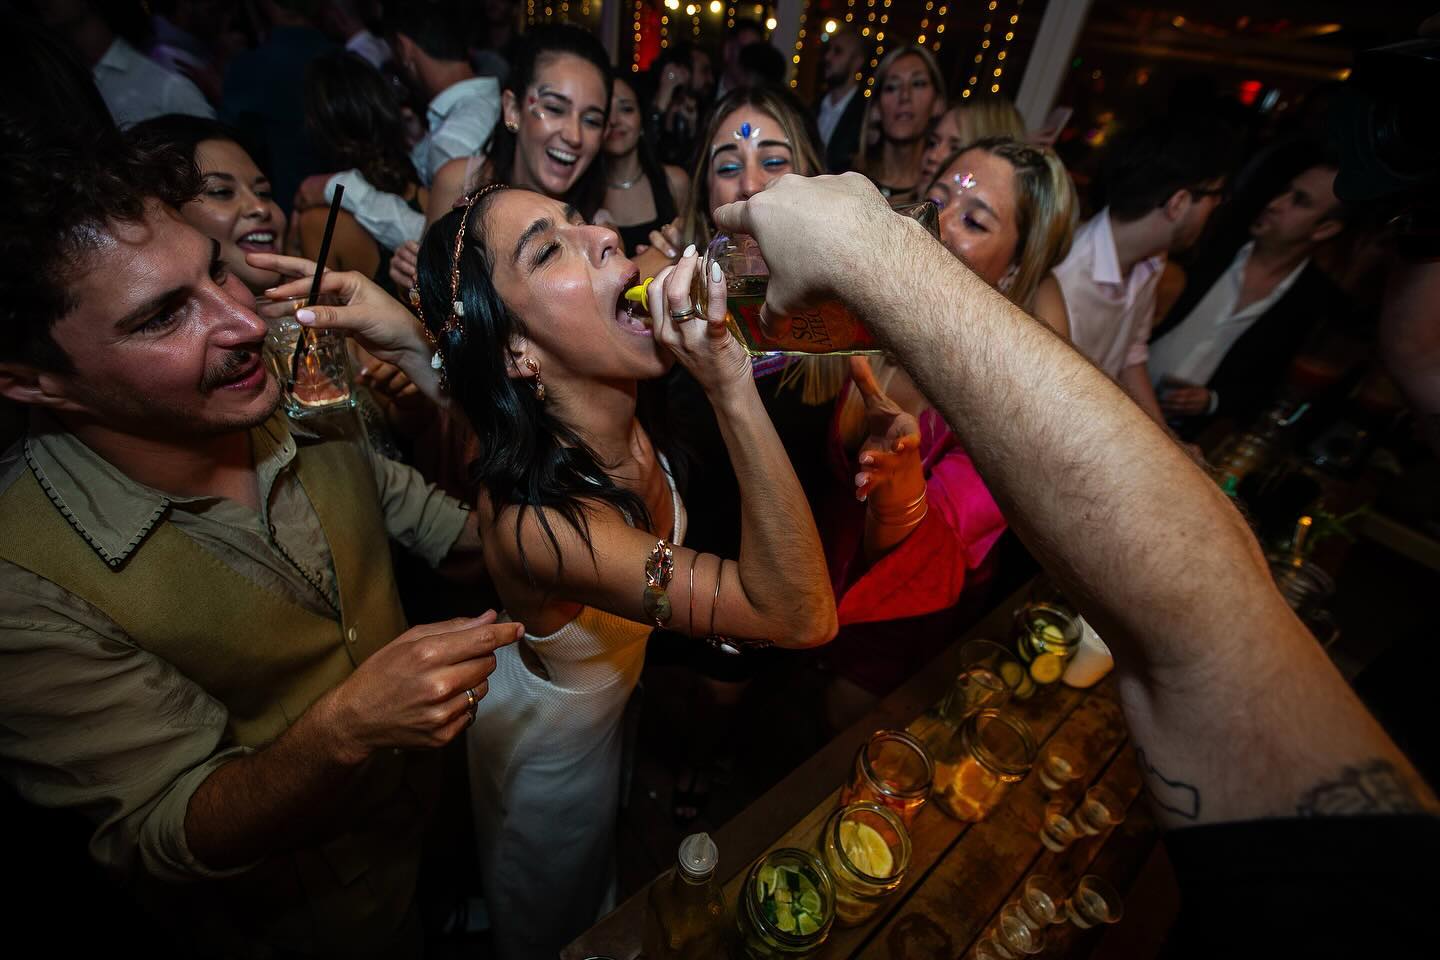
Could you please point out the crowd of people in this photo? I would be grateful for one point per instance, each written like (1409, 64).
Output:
(208, 652)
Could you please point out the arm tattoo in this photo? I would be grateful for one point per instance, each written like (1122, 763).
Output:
(1376, 787)
(1176, 796)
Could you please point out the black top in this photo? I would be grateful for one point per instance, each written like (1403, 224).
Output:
(1361, 886)
(636, 234)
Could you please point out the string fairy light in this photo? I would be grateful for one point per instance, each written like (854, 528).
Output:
(1005, 48)
(730, 17)
(635, 53)
(875, 57)
(800, 40)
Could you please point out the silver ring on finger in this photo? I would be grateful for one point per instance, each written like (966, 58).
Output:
(680, 316)
(472, 699)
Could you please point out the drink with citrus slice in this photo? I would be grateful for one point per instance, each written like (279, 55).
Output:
(997, 751)
(786, 906)
(866, 848)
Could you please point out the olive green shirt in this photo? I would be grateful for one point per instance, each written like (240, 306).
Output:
(91, 722)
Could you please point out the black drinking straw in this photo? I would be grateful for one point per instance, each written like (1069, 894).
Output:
(307, 334)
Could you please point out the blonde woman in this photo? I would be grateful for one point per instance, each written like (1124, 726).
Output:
(904, 565)
(974, 119)
(909, 95)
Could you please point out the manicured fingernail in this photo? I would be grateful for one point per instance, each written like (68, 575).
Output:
(305, 315)
(716, 274)
(519, 630)
(669, 251)
(689, 251)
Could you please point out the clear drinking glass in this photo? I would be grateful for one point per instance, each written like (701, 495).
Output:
(1014, 932)
(314, 378)
(1042, 628)
(996, 752)
(1043, 899)
(894, 770)
(1094, 901)
(987, 676)
(1060, 766)
(829, 328)
(787, 905)
(1057, 830)
(986, 948)
(866, 848)
(1100, 810)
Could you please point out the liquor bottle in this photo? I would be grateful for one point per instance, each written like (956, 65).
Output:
(685, 914)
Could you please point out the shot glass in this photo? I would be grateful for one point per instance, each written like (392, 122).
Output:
(988, 948)
(1094, 901)
(1015, 933)
(1057, 830)
(1043, 899)
(1060, 766)
(1100, 810)
(315, 378)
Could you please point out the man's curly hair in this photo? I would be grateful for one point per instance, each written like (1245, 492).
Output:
(63, 191)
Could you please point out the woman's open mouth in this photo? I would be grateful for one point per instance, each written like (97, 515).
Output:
(258, 241)
(631, 317)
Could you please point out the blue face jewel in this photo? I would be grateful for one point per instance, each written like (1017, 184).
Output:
(747, 132)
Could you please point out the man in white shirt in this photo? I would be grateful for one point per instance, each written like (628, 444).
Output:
(432, 55)
(133, 86)
(1163, 183)
(1241, 330)
(841, 111)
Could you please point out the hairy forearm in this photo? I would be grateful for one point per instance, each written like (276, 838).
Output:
(782, 564)
(1223, 688)
(271, 800)
(1135, 381)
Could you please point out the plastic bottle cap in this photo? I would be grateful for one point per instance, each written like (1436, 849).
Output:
(698, 856)
(636, 294)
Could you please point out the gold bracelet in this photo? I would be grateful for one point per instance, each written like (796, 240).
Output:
(715, 602)
(903, 515)
(891, 523)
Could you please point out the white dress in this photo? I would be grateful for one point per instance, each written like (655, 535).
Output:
(545, 776)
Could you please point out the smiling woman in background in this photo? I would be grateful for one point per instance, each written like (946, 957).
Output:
(641, 194)
(554, 111)
(909, 96)
(236, 207)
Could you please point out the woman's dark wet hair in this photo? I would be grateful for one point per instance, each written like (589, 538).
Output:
(528, 456)
(541, 43)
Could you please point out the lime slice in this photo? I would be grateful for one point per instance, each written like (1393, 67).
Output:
(806, 924)
(784, 919)
(1047, 668)
(1012, 673)
(810, 902)
(767, 880)
(1053, 633)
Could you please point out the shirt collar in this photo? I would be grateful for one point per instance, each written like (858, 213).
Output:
(111, 511)
(447, 99)
(842, 103)
(119, 56)
(1104, 258)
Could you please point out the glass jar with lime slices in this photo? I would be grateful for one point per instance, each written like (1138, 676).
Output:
(995, 751)
(866, 849)
(786, 906)
(1046, 637)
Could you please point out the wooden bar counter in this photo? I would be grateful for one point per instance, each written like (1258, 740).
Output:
(960, 874)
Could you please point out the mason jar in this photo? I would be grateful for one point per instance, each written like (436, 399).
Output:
(892, 769)
(866, 848)
(786, 906)
(995, 751)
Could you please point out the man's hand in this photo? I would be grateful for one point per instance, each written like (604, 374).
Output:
(1180, 399)
(843, 225)
(412, 693)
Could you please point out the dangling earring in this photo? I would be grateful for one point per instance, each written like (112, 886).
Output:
(1009, 278)
(533, 366)
(512, 126)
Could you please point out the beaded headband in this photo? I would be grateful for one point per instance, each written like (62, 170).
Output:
(452, 324)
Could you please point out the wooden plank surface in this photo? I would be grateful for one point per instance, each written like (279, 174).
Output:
(960, 874)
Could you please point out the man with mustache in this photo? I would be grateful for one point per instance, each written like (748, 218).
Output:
(202, 649)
